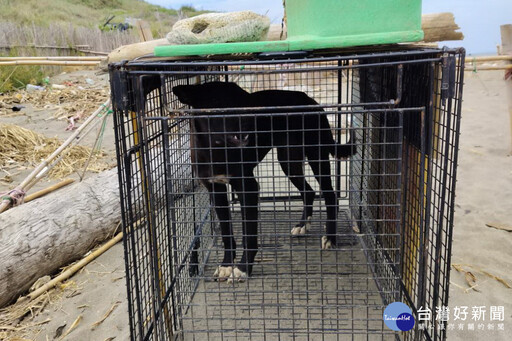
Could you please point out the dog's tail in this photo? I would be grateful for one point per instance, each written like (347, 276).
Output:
(343, 151)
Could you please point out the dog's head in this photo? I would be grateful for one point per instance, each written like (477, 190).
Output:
(212, 95)
(223, 129)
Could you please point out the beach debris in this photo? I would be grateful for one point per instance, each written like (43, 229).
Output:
(471, 278)
(500, 226)
(105, 316)
(59, 330)
(17, 108)
(72, 327)
(32, 88)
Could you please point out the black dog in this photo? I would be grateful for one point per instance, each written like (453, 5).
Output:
(226, 147)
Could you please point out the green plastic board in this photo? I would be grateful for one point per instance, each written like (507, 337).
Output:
(324, 24)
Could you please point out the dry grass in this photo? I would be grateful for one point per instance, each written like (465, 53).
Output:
(22, 147)
(70, 102)
(16, 319)
(11, 317)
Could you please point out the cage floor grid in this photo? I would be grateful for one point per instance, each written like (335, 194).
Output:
(296, 291)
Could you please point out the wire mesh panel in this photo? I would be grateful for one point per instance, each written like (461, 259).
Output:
(287, 197)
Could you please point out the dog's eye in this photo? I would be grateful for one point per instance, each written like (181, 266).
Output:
(235, 138)
(218, 142)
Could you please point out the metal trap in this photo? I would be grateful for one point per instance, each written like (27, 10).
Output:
(322, 244)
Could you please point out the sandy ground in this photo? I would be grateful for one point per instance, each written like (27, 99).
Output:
(484, 190)
(483, 196)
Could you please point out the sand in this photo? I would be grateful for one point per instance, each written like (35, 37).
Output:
(483, 195)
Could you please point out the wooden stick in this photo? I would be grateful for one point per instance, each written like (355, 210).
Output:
(43, 167)
(506, 48)
(50, 62)
(66, 58)
(73, 269)
(50, 189)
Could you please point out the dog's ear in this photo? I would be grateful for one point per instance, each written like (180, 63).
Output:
(187, 94)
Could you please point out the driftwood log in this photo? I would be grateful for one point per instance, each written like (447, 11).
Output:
(39, 237)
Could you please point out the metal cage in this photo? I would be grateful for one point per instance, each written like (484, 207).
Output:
(397, 112)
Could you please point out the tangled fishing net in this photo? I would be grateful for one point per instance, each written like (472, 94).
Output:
(220, 28)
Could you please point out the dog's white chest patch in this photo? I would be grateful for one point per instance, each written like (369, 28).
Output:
(220, 179)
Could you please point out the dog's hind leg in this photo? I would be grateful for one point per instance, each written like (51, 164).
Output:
(292, 163)
(322, 169)
(247, 189)
(219, 200)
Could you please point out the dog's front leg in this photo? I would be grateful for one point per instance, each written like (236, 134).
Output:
(247, 191)
(219, 200)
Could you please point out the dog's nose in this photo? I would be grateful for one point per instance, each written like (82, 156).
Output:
(238, 141)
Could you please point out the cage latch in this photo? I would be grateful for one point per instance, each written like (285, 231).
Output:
(448, 78)
(119, 89)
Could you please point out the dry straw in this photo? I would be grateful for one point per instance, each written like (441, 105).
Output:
(23, 146)
(68, 102)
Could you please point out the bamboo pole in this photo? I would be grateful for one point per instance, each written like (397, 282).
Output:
(83, 47)
(101, 53)
(50, 62)
(47, 190)
(43, 167)
(66, 58)
(73, 269)
(488, 68)
(470, 59)
(506, 49)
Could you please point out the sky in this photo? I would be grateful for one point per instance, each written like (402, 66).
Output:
(479, 20)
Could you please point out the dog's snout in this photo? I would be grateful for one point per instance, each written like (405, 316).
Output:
(237, 140)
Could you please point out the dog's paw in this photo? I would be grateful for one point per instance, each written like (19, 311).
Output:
(327, 244)
(237, 276)
(222, 273)
(298, 231)
(301, 230)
